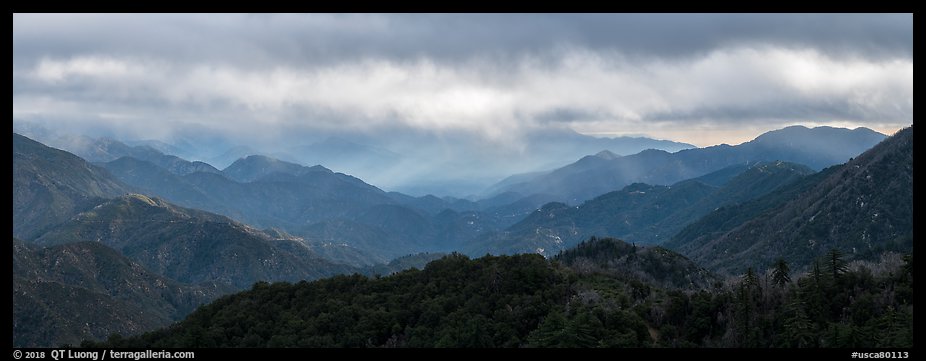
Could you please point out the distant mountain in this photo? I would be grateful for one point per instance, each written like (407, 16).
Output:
(342, 154)
(554, 144)
(594, 175)
(462, 165)
(430, 204)
(342, 217)
(862, 208)
(155, 180)
(505, 209)
(189, 245)
(640, 213)
(51, 185)
(516, 183)
(511, 213)
(269, 192)
(254, 167)
(818, 147)
(103, 150)
(508, 182)
(231, 155)
(163, 147)
(418, 260)
(388, 231)
(98, 149)
(68, 293)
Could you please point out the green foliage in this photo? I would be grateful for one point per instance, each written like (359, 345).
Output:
(782, 273)
(527, 301)
(837, 265)
(453, 302)
(653, 265)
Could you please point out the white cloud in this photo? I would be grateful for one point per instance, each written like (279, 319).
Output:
(100, 67)
(497, 100)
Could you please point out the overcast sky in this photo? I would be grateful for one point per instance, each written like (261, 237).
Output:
(702, 79)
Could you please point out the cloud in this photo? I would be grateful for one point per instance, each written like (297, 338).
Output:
(492, 75)
(258, 39)
(600, 88)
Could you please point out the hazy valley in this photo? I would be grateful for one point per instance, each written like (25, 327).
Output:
(133, 221)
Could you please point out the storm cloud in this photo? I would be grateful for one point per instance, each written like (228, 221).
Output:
(702, 79)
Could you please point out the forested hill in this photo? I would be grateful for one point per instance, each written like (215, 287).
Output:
(526, 300)
(653, 264)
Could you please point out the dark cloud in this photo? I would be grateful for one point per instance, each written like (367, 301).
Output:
(487, 79)
(261, 39)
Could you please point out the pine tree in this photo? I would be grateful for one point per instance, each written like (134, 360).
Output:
(580, 331)
(837, 265)
(751, 283)
(798, 328)
(781, 275)
(550, 332)
(745, 311)
(750, 280)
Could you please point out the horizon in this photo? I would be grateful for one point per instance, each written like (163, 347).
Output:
(452, 102)
(743, 137)
(471, 196)
(602, 135)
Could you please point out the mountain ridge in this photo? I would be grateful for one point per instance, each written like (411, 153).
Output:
(53, 286)
(189, 245)
(639, 212)
(51, 185)
(858, 207)
(592, 176)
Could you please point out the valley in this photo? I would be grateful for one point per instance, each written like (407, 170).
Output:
(147, 233)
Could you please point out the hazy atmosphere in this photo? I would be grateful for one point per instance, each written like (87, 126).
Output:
(483, 84)
(186, 182)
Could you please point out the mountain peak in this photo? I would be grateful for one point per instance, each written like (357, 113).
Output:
(154, 202)
(653, 152)
(607, 154)
(254, 167)
(257, 158)
(825, 132)
(590, 176)
(841, 207)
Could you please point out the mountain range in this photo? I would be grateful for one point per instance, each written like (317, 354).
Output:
(143, 233)
(414, 163)
(325, 207)
(640, 213)
(598, 174)
(863, 207)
